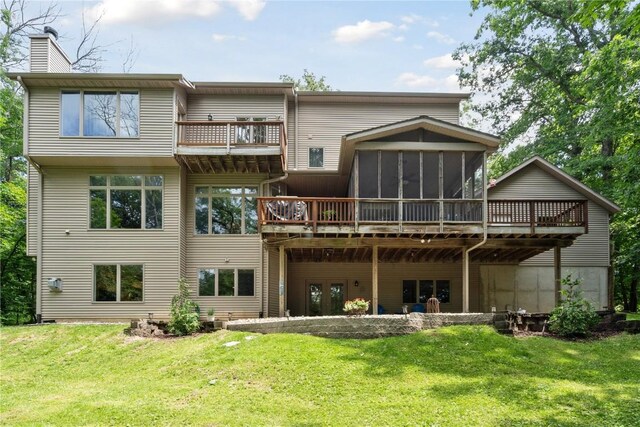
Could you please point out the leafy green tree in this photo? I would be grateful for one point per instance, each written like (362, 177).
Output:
(560, 80)
(575, 316)
(308, 82)
(185, 313)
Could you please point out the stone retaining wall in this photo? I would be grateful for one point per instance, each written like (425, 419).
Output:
(358, 327)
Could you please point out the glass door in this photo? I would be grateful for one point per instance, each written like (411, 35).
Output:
(325, 297)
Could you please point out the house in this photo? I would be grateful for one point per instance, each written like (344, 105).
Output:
(268, 199)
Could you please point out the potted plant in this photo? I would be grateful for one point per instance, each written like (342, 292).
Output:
(329, 214)
(210, 315)
(356, 307)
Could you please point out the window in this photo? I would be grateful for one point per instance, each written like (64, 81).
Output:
(226, 282)
(100, 113)
(251, 134)
(125, 201)
(419, 291)
(316, 157)
(226, 210)
(118, 282)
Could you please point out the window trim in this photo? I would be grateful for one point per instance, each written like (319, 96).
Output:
(235, 269)
(143, 201)
(309, 157)
(209, 209)
(81, 135)
(118, 283)
(435, 289)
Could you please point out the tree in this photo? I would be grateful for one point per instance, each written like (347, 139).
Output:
(562, 81)
(308, 82)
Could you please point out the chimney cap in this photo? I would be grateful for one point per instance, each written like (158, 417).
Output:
(51, 30)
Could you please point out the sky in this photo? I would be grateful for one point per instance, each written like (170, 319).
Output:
(357, 45)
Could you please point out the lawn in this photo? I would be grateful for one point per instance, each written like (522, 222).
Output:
(95, 375)
(633, 316)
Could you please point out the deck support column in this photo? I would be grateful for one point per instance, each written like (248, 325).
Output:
(281, 280)
(557, 270)
(374, 281)
(465, 280)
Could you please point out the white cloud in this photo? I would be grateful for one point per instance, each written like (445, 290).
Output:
(398, 39)
(440, 37)
(249, 9)
(128, 11)
(444, 61)
(363, 30)
(427, 82)
(219, 38)
(403, 27)
(415, 19)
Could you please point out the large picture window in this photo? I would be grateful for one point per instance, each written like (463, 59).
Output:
(226, 282)
(100, 113)
(125, 201)
(118, 282)
(419, 291)
(226, 210)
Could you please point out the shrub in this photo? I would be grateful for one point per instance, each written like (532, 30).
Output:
(185, 314)
(357, 306)
(575, 316)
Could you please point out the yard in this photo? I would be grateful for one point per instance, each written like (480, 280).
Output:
(95, 375)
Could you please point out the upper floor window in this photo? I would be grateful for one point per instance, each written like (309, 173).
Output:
(226, 210)
(316, 157)
(100, 113)
(125, 201)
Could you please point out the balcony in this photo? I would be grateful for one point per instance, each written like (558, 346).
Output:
(232, 146)
(426, 217)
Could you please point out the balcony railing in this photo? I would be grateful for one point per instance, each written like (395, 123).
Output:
(351, 212)
(231, 133)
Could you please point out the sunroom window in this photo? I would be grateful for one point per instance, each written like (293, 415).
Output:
(100, 113)
(118, 282)
(125, 201)
(226, 282)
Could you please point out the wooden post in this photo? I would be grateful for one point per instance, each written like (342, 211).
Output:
(557, 268)
(465, 281)
(374, 280)
(281, 281)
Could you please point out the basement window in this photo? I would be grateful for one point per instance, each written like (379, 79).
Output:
(419, 291)
(118, 282)
(226, 282)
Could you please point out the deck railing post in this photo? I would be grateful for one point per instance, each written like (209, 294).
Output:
(314, 215)
(228, 138)
(532, 216)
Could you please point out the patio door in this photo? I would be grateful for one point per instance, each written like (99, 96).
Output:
(325, 297)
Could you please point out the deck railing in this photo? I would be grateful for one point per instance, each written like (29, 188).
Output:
(216, 133)
(348, 211)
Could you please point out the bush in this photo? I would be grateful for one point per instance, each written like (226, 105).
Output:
(185, 314)
(356, 307)
(575, 316)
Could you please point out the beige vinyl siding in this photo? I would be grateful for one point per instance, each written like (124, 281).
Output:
(58, 63)
(156, 128)
(591, 249)
(183, 222)
(226, 107)
(390, 280)
(324, 124)
(39, 55)
(33, 192)
(71, 257)
(211, 251)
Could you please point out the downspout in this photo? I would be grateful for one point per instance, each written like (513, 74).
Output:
(295, 129)
(25, 149)
(465, 258)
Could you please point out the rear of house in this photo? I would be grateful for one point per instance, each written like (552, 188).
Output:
(269, 199)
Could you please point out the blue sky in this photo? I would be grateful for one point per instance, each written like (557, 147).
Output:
(378, 46)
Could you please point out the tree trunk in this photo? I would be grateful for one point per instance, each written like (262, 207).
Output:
(633, 295)
(607, 151)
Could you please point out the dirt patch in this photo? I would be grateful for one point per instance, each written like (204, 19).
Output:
(594, 336)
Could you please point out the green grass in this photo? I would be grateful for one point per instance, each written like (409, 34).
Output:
(633, 316)
(95, 375)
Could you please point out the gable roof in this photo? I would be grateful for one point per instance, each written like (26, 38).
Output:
(428, 123)
(565, 178)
